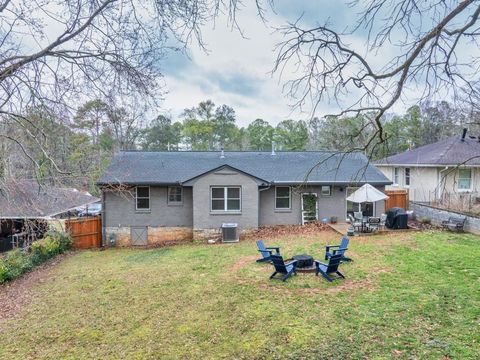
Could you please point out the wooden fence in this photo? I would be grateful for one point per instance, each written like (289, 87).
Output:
(86, 232)
(397, 198)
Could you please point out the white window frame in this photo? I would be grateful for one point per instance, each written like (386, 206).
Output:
(329, 187)
(460, 178)
(172, 202)
(396, 176)
(284, 197)
(142, 197)
(407, 184)
(226, 198)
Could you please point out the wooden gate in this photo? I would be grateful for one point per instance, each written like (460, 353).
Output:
(86, 232)
(396, 198)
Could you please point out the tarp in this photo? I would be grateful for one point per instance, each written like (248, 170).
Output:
(367, 193)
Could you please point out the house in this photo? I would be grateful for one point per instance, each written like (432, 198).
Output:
(154, 197)
(430, 172)
(26, 207)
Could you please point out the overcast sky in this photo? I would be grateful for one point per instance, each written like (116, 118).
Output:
(237, 71)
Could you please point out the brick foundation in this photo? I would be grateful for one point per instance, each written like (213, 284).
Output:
(121, 236)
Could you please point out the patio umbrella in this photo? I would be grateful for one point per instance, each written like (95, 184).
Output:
(367, 193)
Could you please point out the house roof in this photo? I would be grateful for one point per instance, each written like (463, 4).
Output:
(450, 151)
(27, 199)
(163, 168)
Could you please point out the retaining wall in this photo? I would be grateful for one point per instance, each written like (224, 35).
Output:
(438, 215)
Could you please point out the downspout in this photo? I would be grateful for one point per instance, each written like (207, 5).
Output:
(258, 205)
(104, 233)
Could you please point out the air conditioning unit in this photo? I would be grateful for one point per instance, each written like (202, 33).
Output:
(230, 233)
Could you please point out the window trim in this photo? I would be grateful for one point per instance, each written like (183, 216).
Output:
(284, 197)
(225, 199)
(143, 197)
(329, 190)
(459, 178)
(396, 176)
(170, 202)
(409, 177)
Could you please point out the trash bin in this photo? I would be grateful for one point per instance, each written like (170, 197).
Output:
(229, 232)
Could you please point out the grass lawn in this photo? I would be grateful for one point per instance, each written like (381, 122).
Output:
(407, 296)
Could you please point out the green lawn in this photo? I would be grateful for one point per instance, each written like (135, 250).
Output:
(407, 296)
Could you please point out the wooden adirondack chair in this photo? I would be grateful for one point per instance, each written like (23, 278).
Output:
(286, 269)
(326, 270)
(331, 250)
(266, 251)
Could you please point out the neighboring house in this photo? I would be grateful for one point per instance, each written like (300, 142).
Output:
(448, 166)
(154, 197)
(27, 207)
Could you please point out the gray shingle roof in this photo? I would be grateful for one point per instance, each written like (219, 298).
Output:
(449, 151)
(26, 199)
(137, 167)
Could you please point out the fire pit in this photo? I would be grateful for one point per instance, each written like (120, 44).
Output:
(304, 263)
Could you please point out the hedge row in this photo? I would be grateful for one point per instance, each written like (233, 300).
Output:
(17, 262)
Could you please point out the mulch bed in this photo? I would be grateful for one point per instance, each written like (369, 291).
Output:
(282, 230)
(16, 294)
(418, 225)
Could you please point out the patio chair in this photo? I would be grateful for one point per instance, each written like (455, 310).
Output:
(327, 270)
(331, 250)
(266, 251)
(373, 223)
(281, 267)
(357, 224)
(383, 220)
(358, 215)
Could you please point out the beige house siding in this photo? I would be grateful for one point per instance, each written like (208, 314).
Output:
(424, 181)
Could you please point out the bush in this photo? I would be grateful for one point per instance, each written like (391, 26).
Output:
(426, 220)
(17, 262)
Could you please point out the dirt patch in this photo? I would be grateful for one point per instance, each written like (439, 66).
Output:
(244, 261)
(16, 294)
(285, 230)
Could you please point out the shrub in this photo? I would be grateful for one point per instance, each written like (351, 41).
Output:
(17, 262)
(426, 220)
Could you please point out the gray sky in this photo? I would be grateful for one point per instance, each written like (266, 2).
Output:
(237, 71)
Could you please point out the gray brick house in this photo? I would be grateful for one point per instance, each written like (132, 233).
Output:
(156, 197)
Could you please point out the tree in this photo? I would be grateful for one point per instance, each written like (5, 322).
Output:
(427, 40)
(260, 135)
(162, 134)
(291, 135)
(91, 49)
(91, 117)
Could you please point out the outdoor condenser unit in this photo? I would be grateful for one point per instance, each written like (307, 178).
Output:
(229, 232)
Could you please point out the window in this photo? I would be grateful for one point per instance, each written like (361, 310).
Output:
(407, 176)
(225, 198)
(396, 176)
(326, 190)
(464, 179)
(282, 197)
(143, 198)
(175, 194)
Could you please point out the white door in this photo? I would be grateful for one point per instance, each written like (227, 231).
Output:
(309, 208)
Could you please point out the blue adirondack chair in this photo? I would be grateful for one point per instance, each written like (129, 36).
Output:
(326, 270)
(331, 250)
(281, 267)
(266, 251)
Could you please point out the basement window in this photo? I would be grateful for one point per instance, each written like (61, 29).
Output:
(142, 198)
